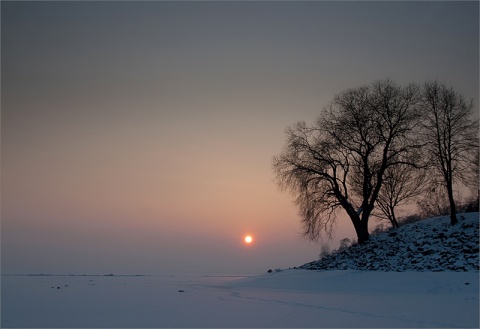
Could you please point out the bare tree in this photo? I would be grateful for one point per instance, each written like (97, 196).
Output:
(452, 136)
(434, 203)
(401, 184)
(473, 182)
(340, 161)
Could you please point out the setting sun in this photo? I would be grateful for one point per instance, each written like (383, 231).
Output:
(248, 239)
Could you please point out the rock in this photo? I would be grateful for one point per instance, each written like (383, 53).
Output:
(441, 235)
(428, 252)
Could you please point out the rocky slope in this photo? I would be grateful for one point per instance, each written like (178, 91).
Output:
(428, 245)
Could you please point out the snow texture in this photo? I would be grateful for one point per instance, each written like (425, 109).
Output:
(428, 245)
(288, 298)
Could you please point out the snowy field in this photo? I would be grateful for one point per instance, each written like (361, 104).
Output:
(289, 298)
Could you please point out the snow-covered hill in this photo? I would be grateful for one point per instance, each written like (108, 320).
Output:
(428, 245)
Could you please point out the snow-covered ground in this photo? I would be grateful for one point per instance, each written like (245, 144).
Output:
(289, 298)
(428, 245)
(443, 292)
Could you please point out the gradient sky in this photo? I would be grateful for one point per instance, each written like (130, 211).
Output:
(137, 137)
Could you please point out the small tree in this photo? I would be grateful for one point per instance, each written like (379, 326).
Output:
(401, 184)
(473, 182)
(452, 136)
(434, 203)
(340, 161)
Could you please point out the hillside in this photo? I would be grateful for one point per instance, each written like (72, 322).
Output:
(428, 245)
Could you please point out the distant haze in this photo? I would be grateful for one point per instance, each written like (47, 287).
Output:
(137, 137)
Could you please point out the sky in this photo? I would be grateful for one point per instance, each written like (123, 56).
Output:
(137, 137)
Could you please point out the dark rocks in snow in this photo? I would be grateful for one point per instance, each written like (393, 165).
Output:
(276, 270)
(428, 245)
(428, 252)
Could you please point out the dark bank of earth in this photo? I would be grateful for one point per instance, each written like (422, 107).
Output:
(428, 245)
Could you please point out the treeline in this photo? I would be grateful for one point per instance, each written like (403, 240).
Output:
(377, 147)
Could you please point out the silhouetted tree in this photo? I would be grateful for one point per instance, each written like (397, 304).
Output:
(340, 161)
(473, 182)
(401, 183)
(452, 136)
(433, 203)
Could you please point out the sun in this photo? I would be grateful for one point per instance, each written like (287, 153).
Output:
(248, 239)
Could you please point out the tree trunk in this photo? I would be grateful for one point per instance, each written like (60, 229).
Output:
(360, 223)
(361, 228)
(392, 218)
(453, 210)
(394, 222)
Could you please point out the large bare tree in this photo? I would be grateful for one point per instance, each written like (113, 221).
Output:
(452, 135)
(339, 162)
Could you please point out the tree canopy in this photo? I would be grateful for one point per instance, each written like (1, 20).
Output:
(352, 154)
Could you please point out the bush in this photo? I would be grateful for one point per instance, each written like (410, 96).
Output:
(410, 219)
(325, 250)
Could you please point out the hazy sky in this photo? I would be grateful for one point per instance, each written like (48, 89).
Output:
(137, 137)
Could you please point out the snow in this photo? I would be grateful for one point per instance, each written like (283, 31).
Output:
(426, 275)
(428, 245)
(287, 298)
